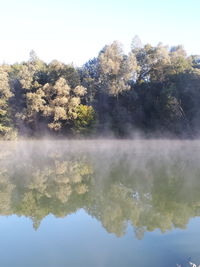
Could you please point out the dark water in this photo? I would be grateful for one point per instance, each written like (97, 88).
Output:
(99, 203)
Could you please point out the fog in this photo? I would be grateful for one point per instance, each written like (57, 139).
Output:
(151, 184)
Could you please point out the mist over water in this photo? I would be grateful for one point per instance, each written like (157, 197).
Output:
(138, 190)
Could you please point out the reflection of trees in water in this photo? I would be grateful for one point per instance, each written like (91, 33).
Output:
(147, 190)
(37, 186)
(165, 198)
(56, 189)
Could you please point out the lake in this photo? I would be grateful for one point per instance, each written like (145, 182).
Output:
(99, 203)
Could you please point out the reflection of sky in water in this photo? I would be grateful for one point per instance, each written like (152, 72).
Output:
(113, 204)
(79, 240)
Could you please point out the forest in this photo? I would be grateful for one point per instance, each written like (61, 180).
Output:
(152, 90)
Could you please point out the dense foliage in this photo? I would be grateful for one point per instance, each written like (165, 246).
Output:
(154, 90)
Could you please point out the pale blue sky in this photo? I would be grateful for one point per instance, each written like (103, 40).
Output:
(75, 30)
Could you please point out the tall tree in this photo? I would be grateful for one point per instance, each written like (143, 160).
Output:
(116, 69)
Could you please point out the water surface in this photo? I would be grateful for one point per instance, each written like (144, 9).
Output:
(99, 203)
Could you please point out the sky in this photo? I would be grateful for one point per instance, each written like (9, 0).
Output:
(75, 31)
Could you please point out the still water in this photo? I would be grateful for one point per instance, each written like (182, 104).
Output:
(99, 203)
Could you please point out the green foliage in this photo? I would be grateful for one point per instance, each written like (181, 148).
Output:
(57, 102)
(85, 121)
(151, 89)
(6, 129)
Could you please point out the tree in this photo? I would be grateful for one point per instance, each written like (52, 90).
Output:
(5, 109)
(116, 69)
(90, 78)
(57, 69)
(58, 103)
(85, 121)
(136, 43)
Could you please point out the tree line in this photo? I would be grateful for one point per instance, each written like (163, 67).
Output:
(154, 90)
